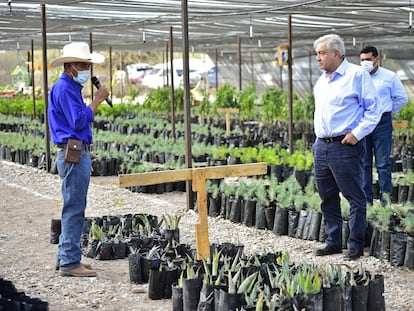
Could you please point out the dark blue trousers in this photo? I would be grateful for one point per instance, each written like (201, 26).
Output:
(339, 168)
(379, 144)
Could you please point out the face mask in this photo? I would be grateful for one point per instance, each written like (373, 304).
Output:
(367, 65)
(83, 76)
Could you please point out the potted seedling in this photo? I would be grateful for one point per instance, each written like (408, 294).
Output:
(171, 230)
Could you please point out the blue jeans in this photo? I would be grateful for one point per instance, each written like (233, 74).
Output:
(75, 183)
(378, 144)
(339, 168)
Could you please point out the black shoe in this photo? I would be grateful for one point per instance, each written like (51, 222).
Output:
(354, 254)
(328, 250)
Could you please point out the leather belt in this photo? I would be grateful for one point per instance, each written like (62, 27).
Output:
(84, 146)
(332, 139)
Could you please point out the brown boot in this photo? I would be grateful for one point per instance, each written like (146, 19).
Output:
(85, 264)
(78, 272)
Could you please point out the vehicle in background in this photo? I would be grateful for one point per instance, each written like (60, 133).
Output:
(136, 72)
(160, 75)
(208, 76)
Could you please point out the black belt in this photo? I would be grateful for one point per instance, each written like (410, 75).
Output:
(84, 146)
(332, 139)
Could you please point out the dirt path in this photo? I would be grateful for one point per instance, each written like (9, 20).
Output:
(27, 259)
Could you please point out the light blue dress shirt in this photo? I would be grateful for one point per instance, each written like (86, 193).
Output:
(345, 103)
(391, 92)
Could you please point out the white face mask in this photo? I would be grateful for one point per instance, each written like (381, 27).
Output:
(83, 76)
(368, 65)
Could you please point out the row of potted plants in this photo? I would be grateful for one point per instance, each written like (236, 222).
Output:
(230, 280)
(273, 282)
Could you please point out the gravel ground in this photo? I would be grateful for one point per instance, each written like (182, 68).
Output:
(30, 198)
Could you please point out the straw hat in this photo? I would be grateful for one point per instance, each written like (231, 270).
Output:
(77, 52)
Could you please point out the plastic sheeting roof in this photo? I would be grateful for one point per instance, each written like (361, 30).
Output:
(213, 24)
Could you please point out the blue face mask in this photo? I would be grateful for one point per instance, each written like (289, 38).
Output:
(83, 76)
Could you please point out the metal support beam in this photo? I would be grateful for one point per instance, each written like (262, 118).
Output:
(187, 108)
(45, 86)
(290, 87)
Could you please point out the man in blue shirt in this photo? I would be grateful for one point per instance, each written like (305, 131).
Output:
(69, 117)
(346, 110)
(392, 97)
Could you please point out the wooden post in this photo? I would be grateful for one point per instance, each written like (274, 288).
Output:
(198, 176)
(228, 111)
(201, 228)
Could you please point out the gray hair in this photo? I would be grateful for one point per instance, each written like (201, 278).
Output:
(333, 42)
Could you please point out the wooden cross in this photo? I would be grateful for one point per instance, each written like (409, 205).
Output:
(198, 176)
(228, 111)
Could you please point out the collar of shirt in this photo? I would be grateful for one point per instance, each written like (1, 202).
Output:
(338, 71)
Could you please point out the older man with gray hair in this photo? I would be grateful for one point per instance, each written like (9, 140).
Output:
(345, 112)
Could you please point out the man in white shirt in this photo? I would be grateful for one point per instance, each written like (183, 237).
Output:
(392, 97)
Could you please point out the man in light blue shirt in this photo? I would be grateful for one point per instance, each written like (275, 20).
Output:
(392, 97)
(346, 110)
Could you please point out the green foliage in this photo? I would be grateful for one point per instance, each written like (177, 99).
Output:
(158, 100)
(406, 113)
(117, 110)
(219, 153)
(309, 280)
(301, 160)
(21, 104)
(249, 155)
(179, 100)
(272, 155)
(303, 109)
(205, 106)
(289, 192)
(226, 97)
(133, 92)
(213, 188)
(261, 192)
(96, 232)
(274, 104)
(247, 100)
(19, 141)
(171, 222)
(407, 220)
(378, 216)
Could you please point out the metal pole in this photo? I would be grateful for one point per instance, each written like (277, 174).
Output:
(45, 86)
(252, 65)
(166, 62)
(187, 113)
(281, 76)
(91, 49)
(240, 68)
(310, 72)
(217, 68)
(121, 60)
(172, 85)
(290, 88)
(110, 71)
(32, 80)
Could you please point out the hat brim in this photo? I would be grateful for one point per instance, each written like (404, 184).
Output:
(95, 59)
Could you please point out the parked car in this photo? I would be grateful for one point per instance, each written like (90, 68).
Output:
(206, 75)
(136, 72)
(160, 73)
